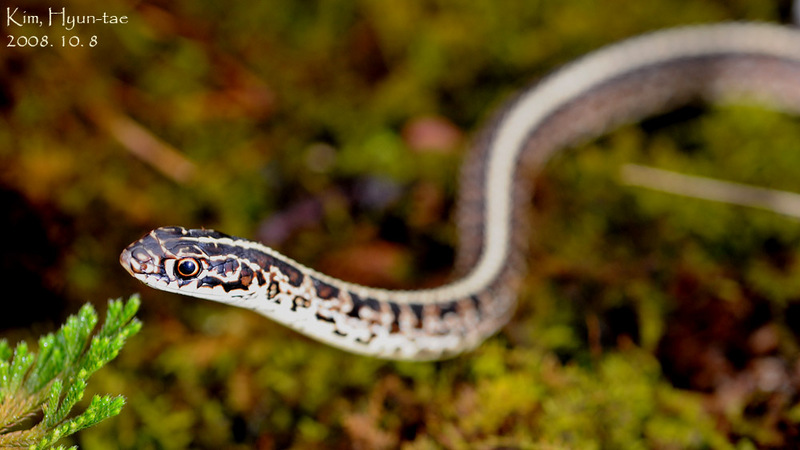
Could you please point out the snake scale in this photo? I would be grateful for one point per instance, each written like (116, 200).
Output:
(618, 84)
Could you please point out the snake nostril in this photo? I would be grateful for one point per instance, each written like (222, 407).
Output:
(126, 261)
(136, 260)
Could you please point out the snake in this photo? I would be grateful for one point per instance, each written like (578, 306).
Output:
(622, 83)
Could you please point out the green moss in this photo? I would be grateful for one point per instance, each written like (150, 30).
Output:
(250, 92)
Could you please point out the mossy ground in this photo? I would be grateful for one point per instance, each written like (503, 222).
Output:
(335, 130)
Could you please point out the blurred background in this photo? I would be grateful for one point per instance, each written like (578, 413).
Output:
(334, 131)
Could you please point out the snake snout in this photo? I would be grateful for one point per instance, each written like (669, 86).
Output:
(125, 261)
(136, 261)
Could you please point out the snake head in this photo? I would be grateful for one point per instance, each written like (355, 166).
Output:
(200, 263)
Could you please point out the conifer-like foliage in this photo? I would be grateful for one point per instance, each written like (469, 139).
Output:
(38, 391)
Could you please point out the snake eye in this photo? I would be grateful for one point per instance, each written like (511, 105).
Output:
(187, 268)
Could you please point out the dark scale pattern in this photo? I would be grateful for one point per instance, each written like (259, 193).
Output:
(254, 256)
(228, 287)
(225, 267)
(246, 276)
(261, 279)
(187, 248)
(476, 302)
(417, 309)
(324, 291)
(202, 233)
(300, 302)
(359, 303)
(449, 307)
(325, 319)
(294, 275)
(396, 314)
(273, 290)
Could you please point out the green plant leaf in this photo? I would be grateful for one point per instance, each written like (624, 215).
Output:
(49, 385)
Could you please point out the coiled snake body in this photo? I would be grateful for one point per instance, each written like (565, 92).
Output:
(621, 83)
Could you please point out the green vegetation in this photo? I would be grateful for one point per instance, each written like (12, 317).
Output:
(39, 391)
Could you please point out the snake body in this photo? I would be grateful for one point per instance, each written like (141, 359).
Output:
(620, 83)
